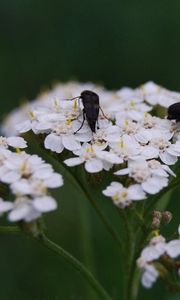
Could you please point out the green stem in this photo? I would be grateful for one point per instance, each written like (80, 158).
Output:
(99, 212)
(102, 217)
(77, 265)
(9, 229)
(129, 253)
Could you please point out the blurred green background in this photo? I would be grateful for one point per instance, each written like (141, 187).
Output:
(115, 43)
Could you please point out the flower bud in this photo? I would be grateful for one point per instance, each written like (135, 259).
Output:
(155, 223)
(157, 214)
(167, 217)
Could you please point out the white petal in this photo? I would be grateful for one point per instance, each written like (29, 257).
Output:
(44, 204)
(168, 170)
(70, 142)
(54, 143)
(83, 137)
(154, 185)
(16, 142)
(94, 165)
(24, 126)
(122, 172)
(54, 181)
(43, 126)
(143, 136)
(149, 152)
(152, 252)
(112, 189)
(10, 177)
(168, 158)
(5, 205)
(110, 157)
(173, 248)
(21, 187)
(75, 161)
(19, 213)
(113, 134)
(43, 172)
(149, 276)
(136, 192)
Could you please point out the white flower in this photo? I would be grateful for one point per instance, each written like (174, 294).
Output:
(131, 109)
(122, 196)
(15, 142)
(94, 158)
(149, 276)
(152, 175)
(173, 248)
(126, 148)
(62, 136)
(5, 206)
(29, 179)
(110, 133)
(155, 94)
(34, 186)
(28, 209)
(152, 253)
(160, 146)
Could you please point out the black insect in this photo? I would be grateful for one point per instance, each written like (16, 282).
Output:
(91, 109)
(174, 112)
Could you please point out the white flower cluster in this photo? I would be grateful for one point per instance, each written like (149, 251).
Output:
(145, 144)
(151, 254)
(28, 178)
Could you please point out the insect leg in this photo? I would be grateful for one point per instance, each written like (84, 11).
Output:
(81, 123)
(103, 114)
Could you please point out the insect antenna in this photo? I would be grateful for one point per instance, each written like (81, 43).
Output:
(72, 98)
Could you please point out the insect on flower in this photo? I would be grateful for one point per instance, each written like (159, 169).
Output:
(90, 101)
(174, 112)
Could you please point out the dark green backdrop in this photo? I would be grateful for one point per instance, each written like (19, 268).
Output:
(117, 43)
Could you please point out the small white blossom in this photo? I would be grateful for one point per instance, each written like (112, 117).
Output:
(152, 253)
(122, 196)
(94, 158)
(15, 142)
(152, 175)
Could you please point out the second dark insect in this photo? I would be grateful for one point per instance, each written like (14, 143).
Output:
(174, 112)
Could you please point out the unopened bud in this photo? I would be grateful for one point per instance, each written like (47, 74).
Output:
(157, 214)
(167, 217)
(155, 223)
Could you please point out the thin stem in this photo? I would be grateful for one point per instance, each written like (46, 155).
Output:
(99, 212)
(102, 217)
(9, 229)
(140, 220)
(78, 266)
(129, 253)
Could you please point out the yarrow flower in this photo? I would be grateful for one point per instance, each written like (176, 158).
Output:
(141, 145)
(28, 178)
(150, 261)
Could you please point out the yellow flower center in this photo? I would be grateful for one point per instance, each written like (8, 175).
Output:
(121, 144)
(32, 115)
(56, 104)
(68, 122)
(132, 104)
(75, 104)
